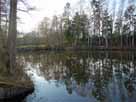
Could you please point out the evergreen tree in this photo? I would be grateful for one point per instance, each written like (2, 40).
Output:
(130, 17)
(67, 23)
(80, 27)
(106, 27)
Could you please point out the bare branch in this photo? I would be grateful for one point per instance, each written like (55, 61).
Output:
(28, 7)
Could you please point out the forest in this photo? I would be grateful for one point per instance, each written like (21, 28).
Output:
(97, 26)
(92, 25)
(89, 25)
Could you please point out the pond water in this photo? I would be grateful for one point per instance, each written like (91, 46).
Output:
(81, 76)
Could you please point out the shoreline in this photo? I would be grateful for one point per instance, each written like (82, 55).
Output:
(74, 49)
(13, 92)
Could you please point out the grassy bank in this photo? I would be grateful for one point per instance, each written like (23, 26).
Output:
(42, 47)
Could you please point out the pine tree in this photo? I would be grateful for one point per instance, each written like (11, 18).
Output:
(106, 27)
(130, 17)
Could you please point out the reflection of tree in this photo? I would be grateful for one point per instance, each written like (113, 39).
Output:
(98, 91)
(78, 70)
(130, 73)
(103, 75)
(13, 82)
(90, 74)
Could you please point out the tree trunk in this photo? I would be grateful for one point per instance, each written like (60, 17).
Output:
(12, 32)
(106, 42)
(133, 40)
(121, 41)
(88, 42)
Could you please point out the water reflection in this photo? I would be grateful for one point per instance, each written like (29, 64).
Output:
(82, 76)
(13, 82)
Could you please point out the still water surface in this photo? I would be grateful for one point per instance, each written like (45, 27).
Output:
(81, 76)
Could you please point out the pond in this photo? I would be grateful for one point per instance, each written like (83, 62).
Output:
(81, 76)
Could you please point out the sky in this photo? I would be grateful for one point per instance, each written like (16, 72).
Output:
(44, 8)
